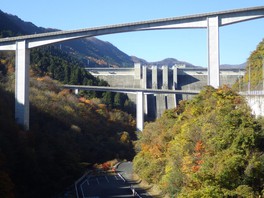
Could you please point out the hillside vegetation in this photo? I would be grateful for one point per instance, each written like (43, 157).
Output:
(67, 133)
(53, 62)
(254, 71)
(210, 146)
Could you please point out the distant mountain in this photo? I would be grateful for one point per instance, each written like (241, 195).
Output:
(168, 61)
(15, 26)
(98, 53)
(139, 60)
(171, 61)
(239, 66)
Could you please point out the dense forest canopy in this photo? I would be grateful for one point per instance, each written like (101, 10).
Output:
(66, 132)
(210, 146)
(53, 62)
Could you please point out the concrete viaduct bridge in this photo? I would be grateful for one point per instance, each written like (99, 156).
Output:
(140, 99)
(212, 21)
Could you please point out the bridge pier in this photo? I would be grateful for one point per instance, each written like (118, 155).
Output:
(154, 77)
(162, 99)
(165, 77)
(175, 83)
(22, 84)
(213, 51)
(140, 111)
(144, 86)
(153, 97)
(137, 68)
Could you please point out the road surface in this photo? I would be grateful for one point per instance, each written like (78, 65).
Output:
(104, 185)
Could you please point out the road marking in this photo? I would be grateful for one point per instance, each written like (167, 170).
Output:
(82, 187)
(107, 179)
(121, 177)
(88, 182)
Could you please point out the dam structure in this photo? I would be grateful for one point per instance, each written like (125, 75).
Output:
(177, 77)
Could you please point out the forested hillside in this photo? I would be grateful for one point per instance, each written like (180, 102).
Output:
(66, 134)
(210, 146)
(254, 71)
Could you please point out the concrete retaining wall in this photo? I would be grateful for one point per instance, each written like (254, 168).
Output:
(256, 102)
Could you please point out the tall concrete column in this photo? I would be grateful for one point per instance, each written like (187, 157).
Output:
(175, 83)
(137, 69)
(175, 77)
(213, 51)
(165, 77)
(140, 111)
(22, 84)
(154, 75)
(162, 99)
(144, 86)
(144, 77)
(152, 104)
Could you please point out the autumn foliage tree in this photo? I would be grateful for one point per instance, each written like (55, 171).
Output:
(210, 146)
(66, 134)
(253, 78)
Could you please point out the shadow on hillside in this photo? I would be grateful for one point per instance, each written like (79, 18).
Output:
(48, 158)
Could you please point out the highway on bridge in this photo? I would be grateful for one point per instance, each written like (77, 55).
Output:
(116, 184)
(130, 90)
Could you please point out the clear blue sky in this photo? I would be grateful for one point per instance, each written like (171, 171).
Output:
(236, 41)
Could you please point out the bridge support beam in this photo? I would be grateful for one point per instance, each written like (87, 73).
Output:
(140, 111)
(144, 86)
(137, 74)
(22, 84)
(154, 75)
(213, 51)
(165, 77)
(175, 83)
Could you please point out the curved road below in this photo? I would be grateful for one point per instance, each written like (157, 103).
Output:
(117, 184)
